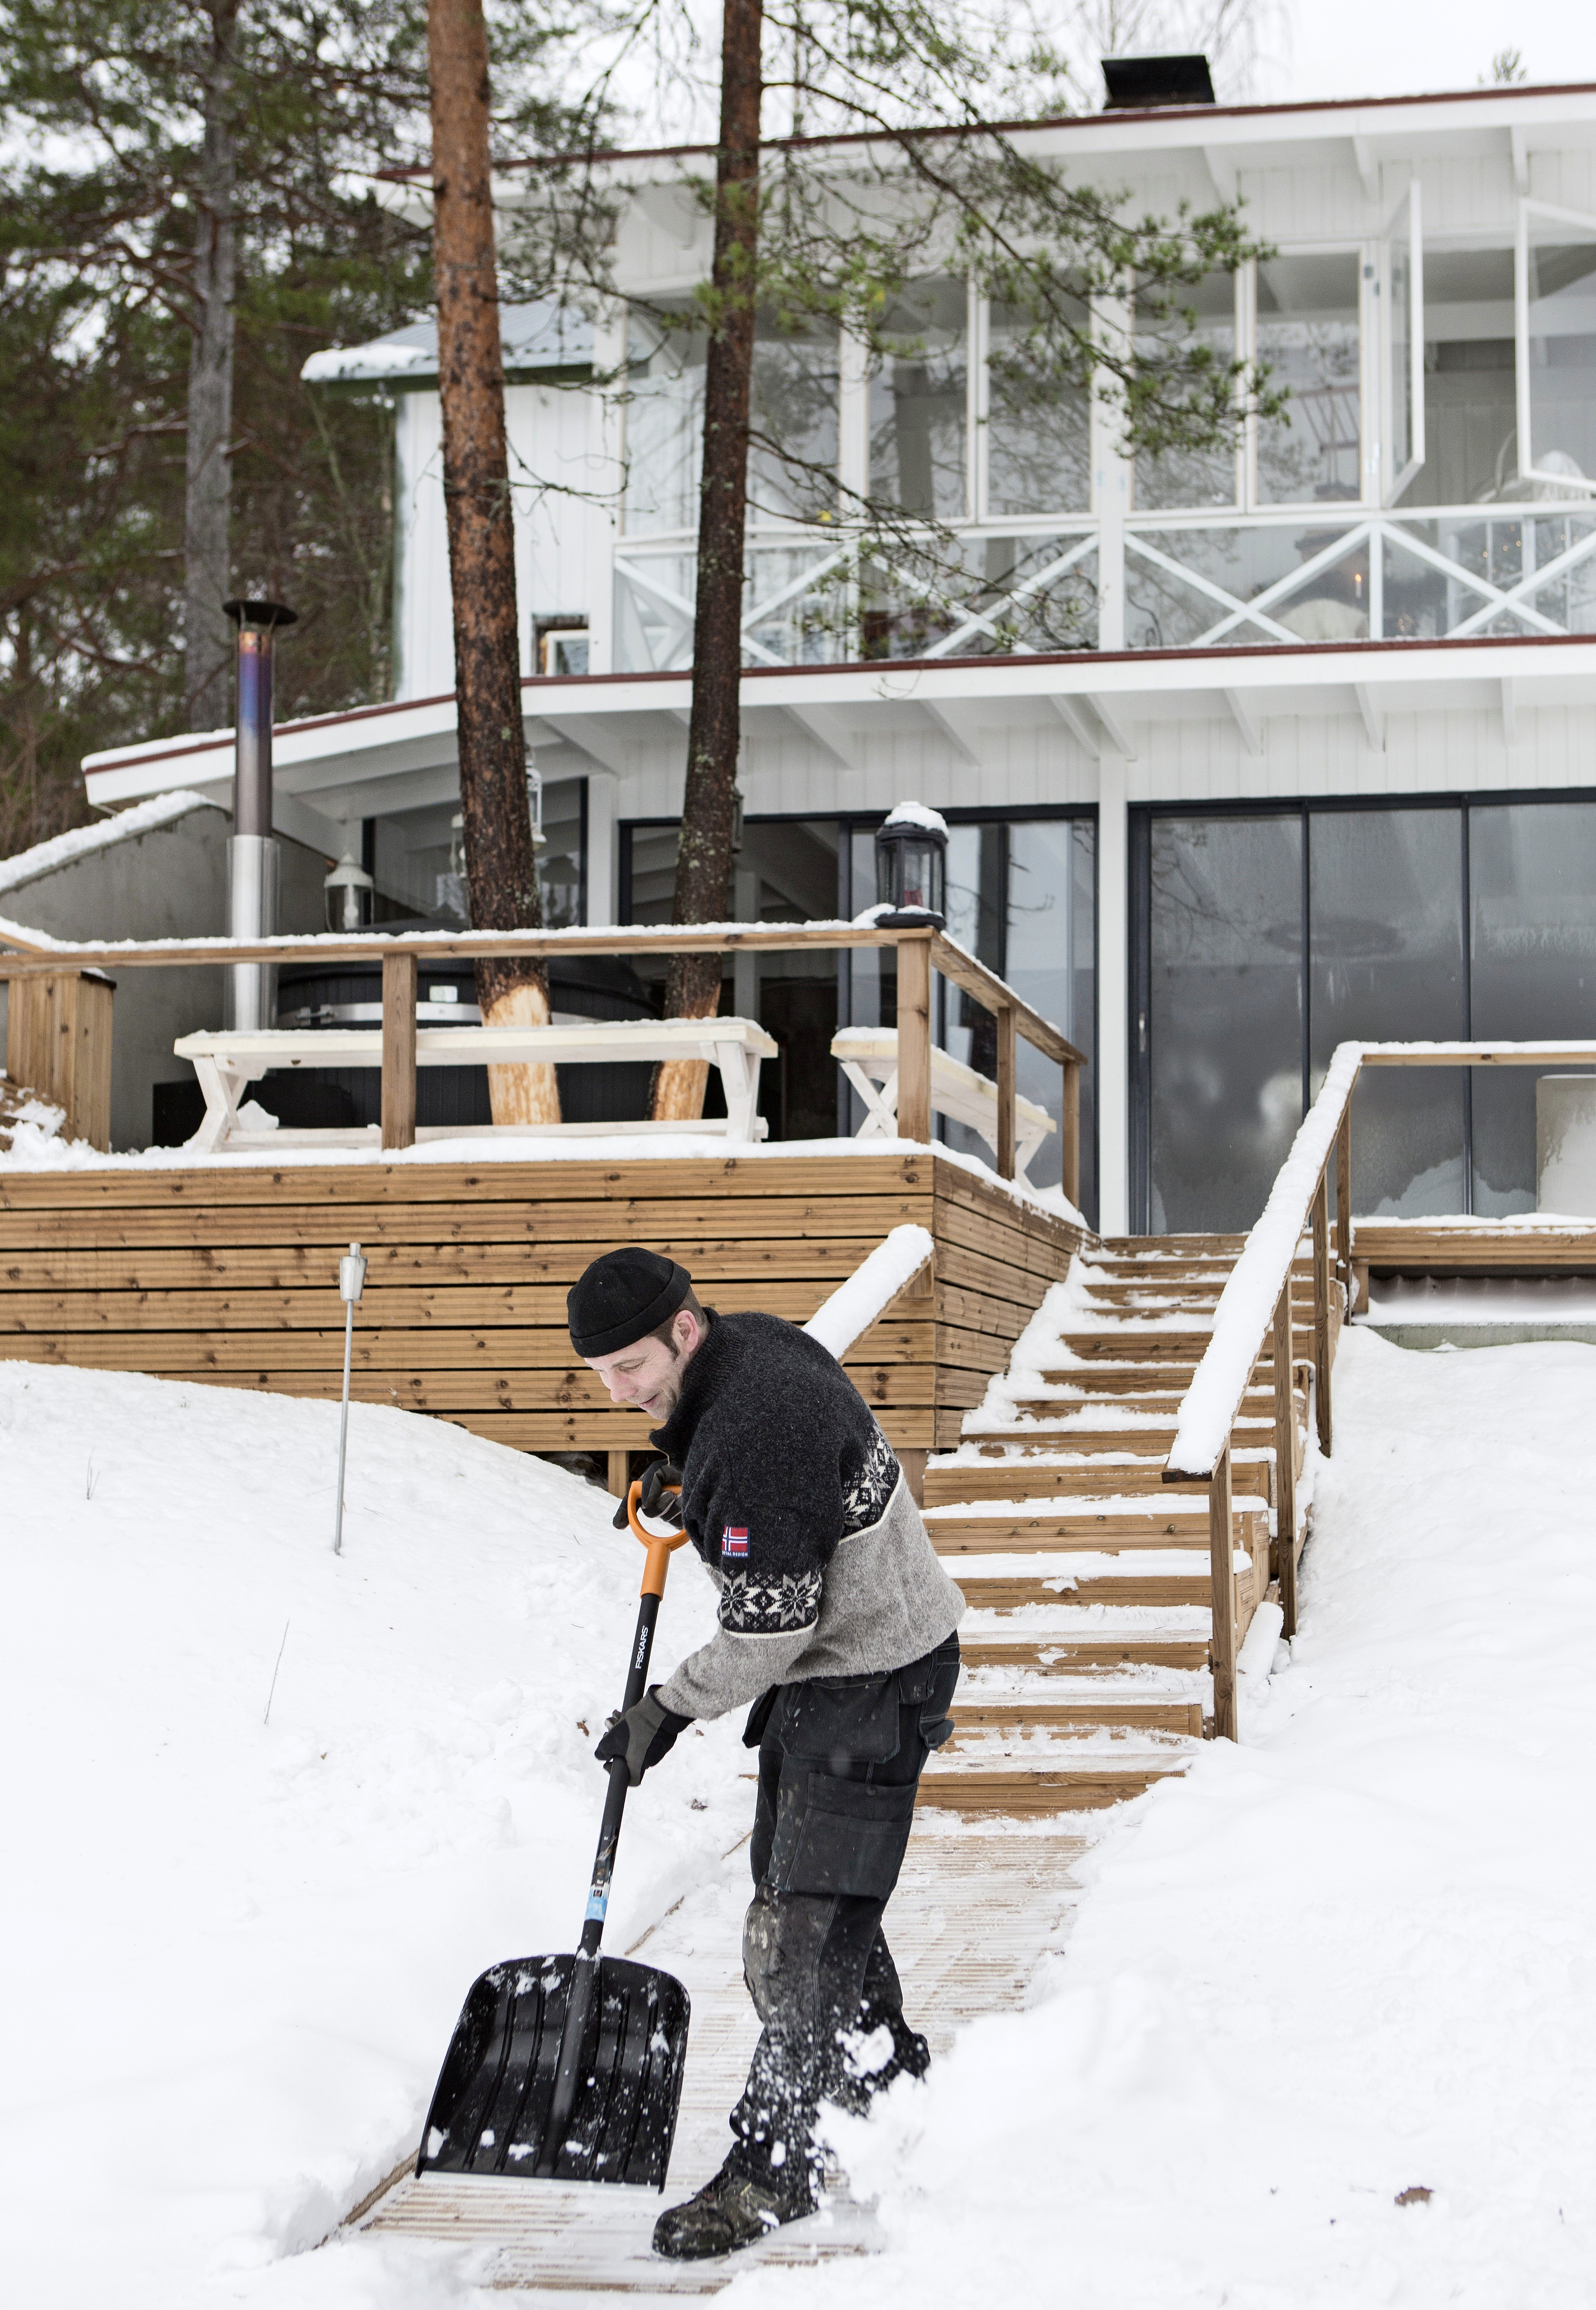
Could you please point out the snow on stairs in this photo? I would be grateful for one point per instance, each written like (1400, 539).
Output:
(1087, 1644)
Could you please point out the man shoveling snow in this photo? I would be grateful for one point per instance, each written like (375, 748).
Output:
(837, 1623)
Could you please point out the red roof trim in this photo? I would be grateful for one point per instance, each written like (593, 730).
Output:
(1072, 120)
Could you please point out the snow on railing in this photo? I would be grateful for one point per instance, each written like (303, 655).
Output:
(1248, 1304)
(867, 1294)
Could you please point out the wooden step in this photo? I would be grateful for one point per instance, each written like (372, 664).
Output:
(1105, 1378)
(1097, 1389)
(1012, 1591)
(1097, 1656)
(1020, 1794)
(1100, 1533)
(1054, 1478)
(1143, 1343)
(1155, 1441)
(1074, 1719)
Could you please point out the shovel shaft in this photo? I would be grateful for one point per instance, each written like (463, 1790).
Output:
(567, 2077)
(603, 1861)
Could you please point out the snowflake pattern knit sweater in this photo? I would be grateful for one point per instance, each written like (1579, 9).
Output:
(795, 1502)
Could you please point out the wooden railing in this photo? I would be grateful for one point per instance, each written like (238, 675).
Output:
(920, 950)
(1255, 1306)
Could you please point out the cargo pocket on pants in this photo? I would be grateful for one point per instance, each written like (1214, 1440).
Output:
(838, 1837)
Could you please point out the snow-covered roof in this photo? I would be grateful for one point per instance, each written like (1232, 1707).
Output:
(63, 849)
(544, 335)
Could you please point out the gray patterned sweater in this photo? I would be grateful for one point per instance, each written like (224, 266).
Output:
(795, 1502)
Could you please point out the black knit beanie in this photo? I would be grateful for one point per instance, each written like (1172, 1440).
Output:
(624, 1296)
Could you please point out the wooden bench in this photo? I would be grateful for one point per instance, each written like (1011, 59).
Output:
(226, 1063)
(869, 1059)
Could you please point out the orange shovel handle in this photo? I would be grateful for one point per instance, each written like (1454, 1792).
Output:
(659, 1544)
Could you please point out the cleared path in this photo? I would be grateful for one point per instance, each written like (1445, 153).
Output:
(974, 1913)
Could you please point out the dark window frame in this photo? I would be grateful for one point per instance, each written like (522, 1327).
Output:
(1305, 808)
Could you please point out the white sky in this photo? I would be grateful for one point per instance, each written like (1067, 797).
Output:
(1370, 48)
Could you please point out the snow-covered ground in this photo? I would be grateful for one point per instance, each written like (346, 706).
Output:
(1352, 1960)
(234, 1950)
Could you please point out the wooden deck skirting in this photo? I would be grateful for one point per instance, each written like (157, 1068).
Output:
(230, 1275)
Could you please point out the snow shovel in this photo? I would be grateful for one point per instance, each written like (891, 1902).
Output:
(568, 2068)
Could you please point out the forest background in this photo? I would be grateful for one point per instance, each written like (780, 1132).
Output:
(126, 126)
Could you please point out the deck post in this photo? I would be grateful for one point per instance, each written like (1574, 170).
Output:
(1322, 1309)
(913, 1037)
(1008, 1062)
(1221, 1551)
(1285, 1460)
(1070, 1134)
(59, 1043)
(398, 1051)
(1344, 1207)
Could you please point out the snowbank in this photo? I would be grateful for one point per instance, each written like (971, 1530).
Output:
(234, 1950)
(1353, 1959)
(870, 1289)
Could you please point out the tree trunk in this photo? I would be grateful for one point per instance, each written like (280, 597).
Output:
(704, 859)
(207, 642)
(501, 872)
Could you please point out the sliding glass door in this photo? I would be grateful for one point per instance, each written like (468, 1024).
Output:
(1265, 937)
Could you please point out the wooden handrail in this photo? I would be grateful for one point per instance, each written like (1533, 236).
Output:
(920, 950)
(1255, 1306)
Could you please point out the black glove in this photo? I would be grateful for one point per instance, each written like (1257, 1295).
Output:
(643, 1735)
(664, 1506)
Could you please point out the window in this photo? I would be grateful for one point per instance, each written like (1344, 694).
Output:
(795, 397)
(1402, 282)
(1021, 897)
(418, 860)
(1189, 477)
(1309, 336)
(1264, 940)
(1224, 1015)
(1533, 946)
(1038, 428)
(1385, 964)
(1471, 419)
(664, 425)
(1557, 293)
(919, 394)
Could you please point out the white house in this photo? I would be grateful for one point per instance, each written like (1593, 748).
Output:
(1318, 760)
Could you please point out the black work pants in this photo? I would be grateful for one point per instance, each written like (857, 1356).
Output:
(839, 1763)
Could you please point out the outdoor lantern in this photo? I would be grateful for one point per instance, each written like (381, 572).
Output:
(348, 891)
(912, 862)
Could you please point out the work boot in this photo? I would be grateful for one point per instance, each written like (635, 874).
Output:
(735, 2210)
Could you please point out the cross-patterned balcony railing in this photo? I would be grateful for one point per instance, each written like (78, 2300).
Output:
(1186, 581)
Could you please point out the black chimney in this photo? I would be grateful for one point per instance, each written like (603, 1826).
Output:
(1143, 84)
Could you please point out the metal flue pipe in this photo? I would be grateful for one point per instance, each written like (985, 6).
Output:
(252, 855)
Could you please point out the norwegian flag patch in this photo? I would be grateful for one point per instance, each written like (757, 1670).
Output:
(734, 1539)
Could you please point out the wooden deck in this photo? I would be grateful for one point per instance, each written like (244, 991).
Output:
(229, 1274)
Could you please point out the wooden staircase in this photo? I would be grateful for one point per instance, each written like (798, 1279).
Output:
(1085, 1647)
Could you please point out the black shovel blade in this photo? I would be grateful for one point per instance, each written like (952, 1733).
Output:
(490, 2111)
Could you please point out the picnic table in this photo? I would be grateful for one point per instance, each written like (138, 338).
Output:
(227, 1062)
(869, 1059)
